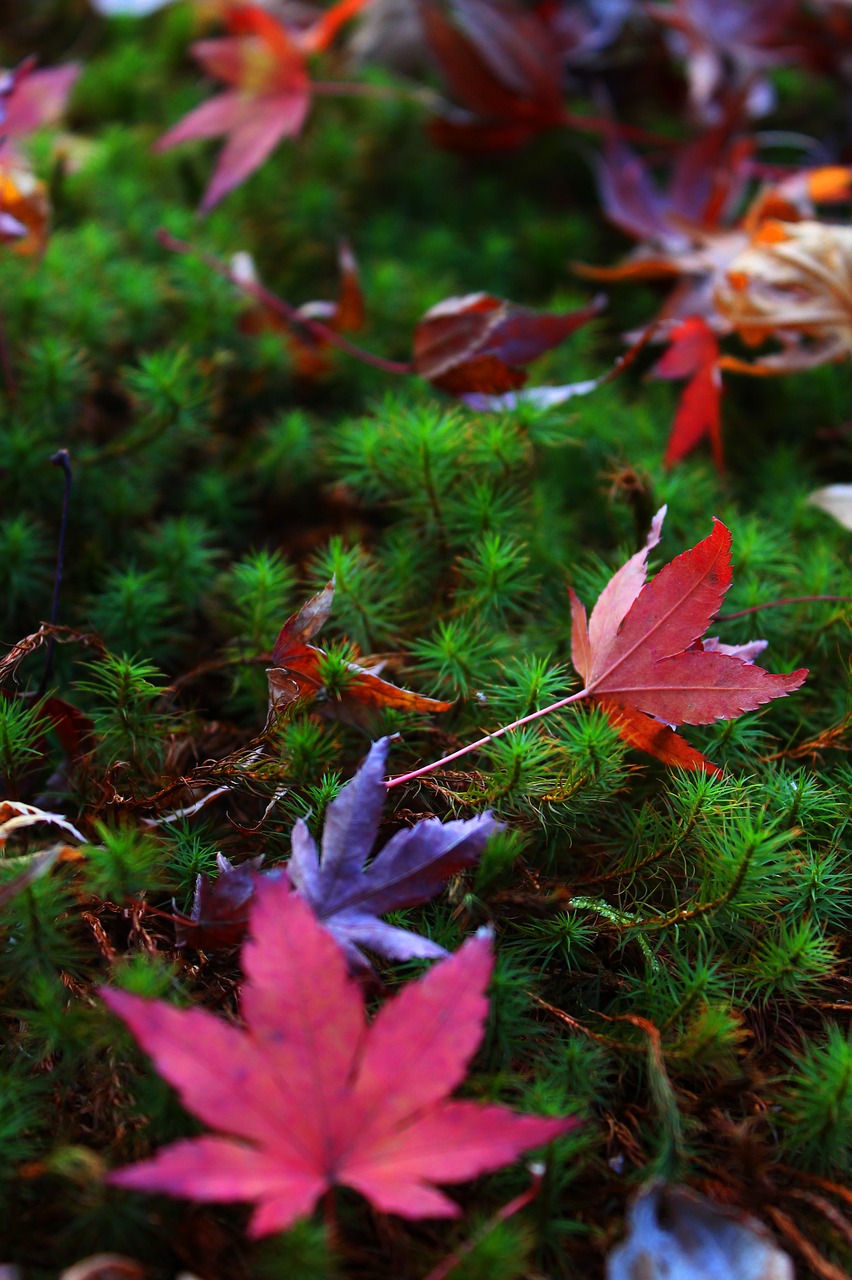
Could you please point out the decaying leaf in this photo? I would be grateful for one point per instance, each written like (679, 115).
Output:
(24, 208)
(29, 100)
(776, 273)
(16, 816)
(793, 282)
(297, 672)
(641, 654)
(676, 1234)
(310, 1095)
(309, 351)
(348, 890)
(105, 1266)
(220, 907)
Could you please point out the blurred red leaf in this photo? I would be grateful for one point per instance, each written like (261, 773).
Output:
(310, 1095)
(34, 100)
(478, 343)
(502, 65)
(694, 354)
(270, 95)
(308, 347)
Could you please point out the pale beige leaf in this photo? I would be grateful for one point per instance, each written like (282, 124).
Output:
(676, 1234)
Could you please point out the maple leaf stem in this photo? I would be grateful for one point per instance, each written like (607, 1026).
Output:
(353, 89)
(283, 308)
(489, 737)
(774, 604)
(599, 124)
(448, 1264)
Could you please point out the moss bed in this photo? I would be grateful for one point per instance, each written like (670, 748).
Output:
(672, 948)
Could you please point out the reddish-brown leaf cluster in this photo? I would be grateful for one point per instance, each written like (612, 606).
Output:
(297, 672)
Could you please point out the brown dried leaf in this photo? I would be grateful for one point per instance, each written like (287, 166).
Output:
(793, 282)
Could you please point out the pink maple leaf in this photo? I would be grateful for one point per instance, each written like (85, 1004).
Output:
(269, 95)
(311, 1095)
(31, 100)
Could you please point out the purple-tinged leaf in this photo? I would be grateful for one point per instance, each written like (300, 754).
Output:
(348, 893)
(220, 907)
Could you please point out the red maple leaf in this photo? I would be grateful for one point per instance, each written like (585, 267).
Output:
(642, 658)
(31, 99)
(694, 354)
(310, 1095)
(269, 95)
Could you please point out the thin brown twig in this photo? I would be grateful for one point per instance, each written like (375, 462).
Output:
(281, 307)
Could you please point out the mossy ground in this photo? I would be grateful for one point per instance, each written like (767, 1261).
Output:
(673, 953)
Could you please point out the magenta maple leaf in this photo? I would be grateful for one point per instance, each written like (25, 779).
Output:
(31, 99)
(348, 893)
(310, 1095)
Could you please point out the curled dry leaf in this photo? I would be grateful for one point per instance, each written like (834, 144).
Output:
(793, 282)
(24, 208)
(105, 1266)
(311, 1095)
(297, 672)
(642, 658)
(676, 1234)
(15, 816)
(777, 272)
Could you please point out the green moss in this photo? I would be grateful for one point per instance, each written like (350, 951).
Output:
(669, 944)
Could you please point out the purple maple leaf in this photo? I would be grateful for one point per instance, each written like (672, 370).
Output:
(220, 907)
(348, 893)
